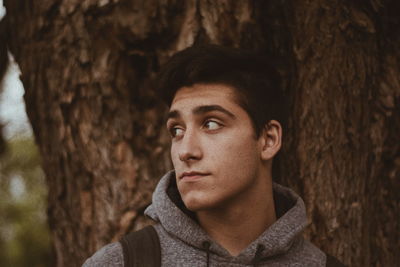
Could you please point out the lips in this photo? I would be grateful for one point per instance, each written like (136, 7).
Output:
(193, 175)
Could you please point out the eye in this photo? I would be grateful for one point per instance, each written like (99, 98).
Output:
(176, 131)
(212, 125)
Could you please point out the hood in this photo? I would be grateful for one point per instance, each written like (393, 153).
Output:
(168, 209)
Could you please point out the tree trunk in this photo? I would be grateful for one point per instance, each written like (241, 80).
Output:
(87, 68)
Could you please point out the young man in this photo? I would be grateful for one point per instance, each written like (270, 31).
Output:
(219, 207)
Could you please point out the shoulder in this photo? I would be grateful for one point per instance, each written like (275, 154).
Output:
(109, 255)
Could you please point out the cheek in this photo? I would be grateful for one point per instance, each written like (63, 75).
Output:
(236, 156)
(174, 155)
(238, 147)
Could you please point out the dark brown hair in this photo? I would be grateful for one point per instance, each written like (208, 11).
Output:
(253, 76)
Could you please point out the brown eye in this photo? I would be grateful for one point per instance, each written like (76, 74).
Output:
(176, 132)
(212, 125)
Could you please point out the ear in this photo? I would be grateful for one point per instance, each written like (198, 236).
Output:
(271, 139)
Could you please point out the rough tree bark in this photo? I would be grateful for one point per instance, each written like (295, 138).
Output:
(87, 68)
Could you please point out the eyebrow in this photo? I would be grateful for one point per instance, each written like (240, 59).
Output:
(173, 114)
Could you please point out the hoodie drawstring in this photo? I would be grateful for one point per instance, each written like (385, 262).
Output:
(257, 255)
(206, 246)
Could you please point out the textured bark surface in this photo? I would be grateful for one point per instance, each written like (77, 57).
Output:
(345, 125)
(87, 68)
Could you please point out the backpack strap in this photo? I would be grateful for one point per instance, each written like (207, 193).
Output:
(141, 248)
(333, 262)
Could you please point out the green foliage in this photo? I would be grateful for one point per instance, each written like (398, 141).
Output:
(24, 235)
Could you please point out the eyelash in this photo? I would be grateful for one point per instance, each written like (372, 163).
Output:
(171, 130)
(214, 121)
(173, 127)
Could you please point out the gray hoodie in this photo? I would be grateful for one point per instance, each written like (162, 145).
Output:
(184, 243)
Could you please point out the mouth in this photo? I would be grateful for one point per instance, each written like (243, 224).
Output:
(192, 175)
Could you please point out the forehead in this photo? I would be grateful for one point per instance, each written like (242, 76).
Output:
(204, 94)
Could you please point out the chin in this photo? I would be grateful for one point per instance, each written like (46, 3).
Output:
(197, 204)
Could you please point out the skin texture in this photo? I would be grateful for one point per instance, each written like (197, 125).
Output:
(223, 171)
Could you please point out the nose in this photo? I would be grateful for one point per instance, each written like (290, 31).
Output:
(189, 147)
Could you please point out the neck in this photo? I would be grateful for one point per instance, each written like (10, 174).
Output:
(236, 224)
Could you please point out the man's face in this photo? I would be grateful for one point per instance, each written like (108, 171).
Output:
(214, 149)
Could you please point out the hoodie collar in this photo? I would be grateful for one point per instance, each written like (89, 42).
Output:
(168, 209)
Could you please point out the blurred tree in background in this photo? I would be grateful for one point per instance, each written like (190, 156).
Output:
(24, 236)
